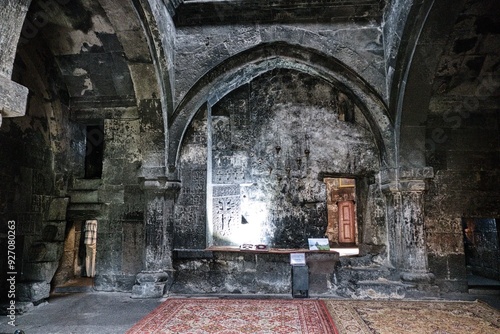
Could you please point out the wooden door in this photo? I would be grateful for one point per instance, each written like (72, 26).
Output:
(347, 225)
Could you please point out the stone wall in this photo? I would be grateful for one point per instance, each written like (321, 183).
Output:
(120, 224)
(357, 46)
(465, 186)
(462, 141)
(482, 247)
(395, 20)
(271, 142)
(255, 162)
(34, 173)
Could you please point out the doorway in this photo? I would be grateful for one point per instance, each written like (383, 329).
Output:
(71, 275)
(482, 252)
(341, 205)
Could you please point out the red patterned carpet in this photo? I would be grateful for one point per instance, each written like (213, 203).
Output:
(235, 316)
(310, 316)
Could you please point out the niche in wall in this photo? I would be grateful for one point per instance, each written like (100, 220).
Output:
(94, 136)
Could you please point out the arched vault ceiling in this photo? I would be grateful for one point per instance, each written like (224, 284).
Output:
(94, 43)
(453, 71)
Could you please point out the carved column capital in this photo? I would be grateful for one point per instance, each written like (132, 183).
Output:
(154, 179)
(160, 185)
(405, 179)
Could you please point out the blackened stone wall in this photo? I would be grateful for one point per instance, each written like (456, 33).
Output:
(34, 165)
(269, 145)
(190, 211)
(463, 144)
(358, 46)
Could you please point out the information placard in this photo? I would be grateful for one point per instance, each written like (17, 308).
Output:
(297, 259)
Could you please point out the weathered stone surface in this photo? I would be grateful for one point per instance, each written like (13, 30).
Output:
(249, 272)
(154, 277)
(448, 266)
(53, 231)
(232, 12)
(57, 209)
(39, 271)
(224, 133)
(44, 252)
(145, 81)
(148, 290)
(12, 13)
(13, 98)
(32, 291)
(209, 46)
(117, 283)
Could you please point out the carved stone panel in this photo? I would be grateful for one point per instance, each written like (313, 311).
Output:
(226, 213)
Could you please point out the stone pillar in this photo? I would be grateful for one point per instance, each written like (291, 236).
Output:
(160, 195)
(404, 189)
(13, 97)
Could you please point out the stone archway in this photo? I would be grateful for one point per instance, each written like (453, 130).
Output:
(191, 212)
(242, 68)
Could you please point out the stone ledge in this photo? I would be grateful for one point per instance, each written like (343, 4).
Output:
(192, 254)
(13, 98)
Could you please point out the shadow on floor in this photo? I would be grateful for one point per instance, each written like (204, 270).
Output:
(76, 285)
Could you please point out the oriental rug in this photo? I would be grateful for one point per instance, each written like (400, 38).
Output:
(235, 316)
(415, 317)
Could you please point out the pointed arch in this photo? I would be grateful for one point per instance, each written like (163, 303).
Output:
(245, 66)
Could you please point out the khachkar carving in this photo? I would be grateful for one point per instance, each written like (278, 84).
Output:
(228, 175)
(194, 188)
(226, 211)
(404, 189)
(160, 195)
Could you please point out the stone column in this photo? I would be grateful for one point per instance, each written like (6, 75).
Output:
(157, 274)
(404, 189)
(13, 97)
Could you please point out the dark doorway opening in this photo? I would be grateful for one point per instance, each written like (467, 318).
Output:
(94, 151)
(71, 275)
(482, 252)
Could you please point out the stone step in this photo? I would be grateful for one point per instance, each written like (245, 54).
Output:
(73, 289)
(86, 184)
(85, 206)
(357, 261)
(382, 289)
(84, 196)
(492, 291)
(370, 273)
(83, 211)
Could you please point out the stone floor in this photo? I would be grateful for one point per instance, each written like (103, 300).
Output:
(82, 313)
(115, 313)
(76, 308)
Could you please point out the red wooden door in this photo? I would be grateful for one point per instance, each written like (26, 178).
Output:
(347, 224)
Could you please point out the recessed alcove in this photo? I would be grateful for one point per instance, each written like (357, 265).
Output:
(263, 165)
